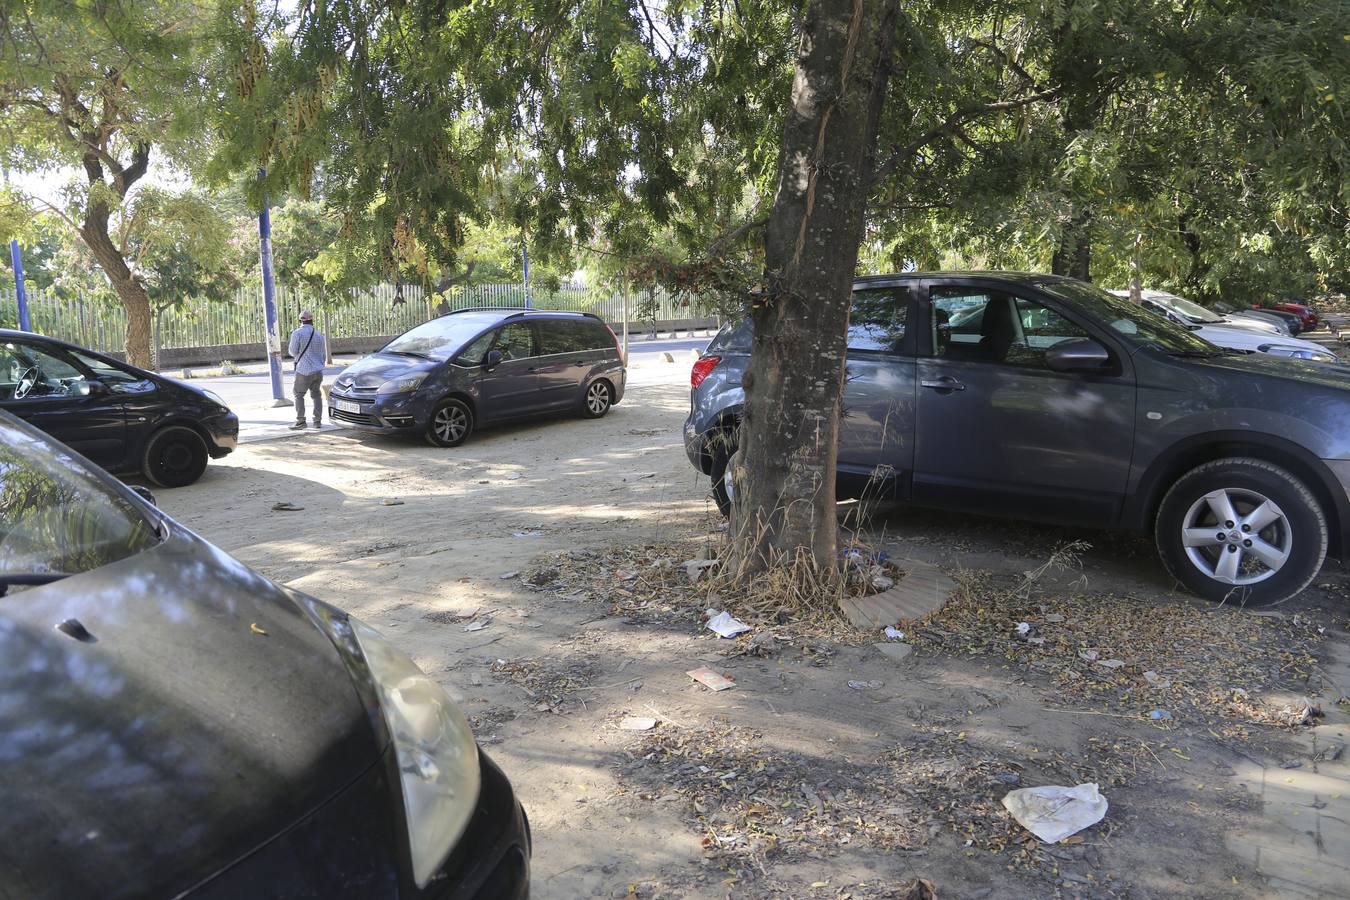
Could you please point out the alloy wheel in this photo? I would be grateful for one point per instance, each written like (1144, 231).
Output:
(450, 423)
(1236, 536)
(597, 398)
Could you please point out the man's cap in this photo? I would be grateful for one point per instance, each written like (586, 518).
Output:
(306, 316)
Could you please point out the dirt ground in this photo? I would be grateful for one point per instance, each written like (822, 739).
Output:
(508, 569)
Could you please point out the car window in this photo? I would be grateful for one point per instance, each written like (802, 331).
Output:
(599, 335)
(473, 354)
(119, 380)
(515, 341)
(28, 372)
(564, 336)
(56, 516)
(442, 337)
(1134, 324)
(1156, 307)
(735, 337)
(877, 320)
(959, 318)
(992, 326)
(1042, 328)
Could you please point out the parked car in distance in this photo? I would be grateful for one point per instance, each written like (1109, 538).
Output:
(1049, 399)
(175, 725)
(1305, 313)
(1189, 313)
(125, 419)
(1289, 323)
(473, 367)
(1231, 336)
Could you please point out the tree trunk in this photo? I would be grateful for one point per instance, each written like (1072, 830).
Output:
(784, 471)
(1137, 270)
(1073, 256)
(94, 231)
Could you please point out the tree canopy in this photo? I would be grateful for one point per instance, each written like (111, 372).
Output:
(99, 88)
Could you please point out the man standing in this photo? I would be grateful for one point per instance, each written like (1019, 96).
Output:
(310, 350)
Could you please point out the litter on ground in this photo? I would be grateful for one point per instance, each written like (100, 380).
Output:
(1053, 812)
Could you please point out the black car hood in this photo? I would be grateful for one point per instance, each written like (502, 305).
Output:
(207, 714)
(378, 368)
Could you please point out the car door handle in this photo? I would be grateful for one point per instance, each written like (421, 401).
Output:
(945, 383)
(580, 362)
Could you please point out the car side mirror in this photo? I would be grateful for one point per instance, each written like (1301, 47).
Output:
(1077, 355)
(144, 493)
(492, 360)
(91, 388)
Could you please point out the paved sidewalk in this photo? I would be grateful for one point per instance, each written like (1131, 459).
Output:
(1303, 848)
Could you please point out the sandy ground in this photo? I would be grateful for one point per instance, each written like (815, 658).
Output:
(416, 541)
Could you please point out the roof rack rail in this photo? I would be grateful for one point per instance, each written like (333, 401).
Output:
(513, 311)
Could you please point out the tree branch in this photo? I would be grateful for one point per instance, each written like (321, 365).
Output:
(954, 123)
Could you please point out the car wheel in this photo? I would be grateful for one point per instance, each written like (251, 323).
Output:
(451, 423)
(1243, 530)
(174, 457)
(598, 399)
(723, 491)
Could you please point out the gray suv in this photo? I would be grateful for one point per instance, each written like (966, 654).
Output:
(478, 366)
(1045, 398)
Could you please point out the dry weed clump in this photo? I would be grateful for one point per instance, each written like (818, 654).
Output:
(1215, 664)
(682, 580)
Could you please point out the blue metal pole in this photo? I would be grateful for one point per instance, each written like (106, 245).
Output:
(269, 301)
(19, 292)
(525, 258)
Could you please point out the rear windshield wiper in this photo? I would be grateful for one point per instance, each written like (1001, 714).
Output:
(28, 579)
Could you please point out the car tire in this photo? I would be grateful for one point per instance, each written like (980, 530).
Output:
(597, 400)
(721, 451)
(450, 424)
(1267, 547)
(174, 457)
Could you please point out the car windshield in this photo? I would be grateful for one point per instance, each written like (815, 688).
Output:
(56, 516)
(1193, 311)
(1135, 324)
(442, 337)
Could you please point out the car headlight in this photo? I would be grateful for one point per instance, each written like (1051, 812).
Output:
(437, 757)
(1299, 353)
(402, 385)
(215, 398)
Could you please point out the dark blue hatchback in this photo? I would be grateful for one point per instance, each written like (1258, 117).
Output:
(474, 367)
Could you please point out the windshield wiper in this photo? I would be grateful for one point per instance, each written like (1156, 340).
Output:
(1195, 354)
(28, 579)
(410, 353)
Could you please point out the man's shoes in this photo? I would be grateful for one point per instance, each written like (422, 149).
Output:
(298, 426)
(317, 424)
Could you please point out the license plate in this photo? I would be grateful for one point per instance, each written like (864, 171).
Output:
(347, 406)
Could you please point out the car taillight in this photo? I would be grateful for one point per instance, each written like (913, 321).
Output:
(702, 369)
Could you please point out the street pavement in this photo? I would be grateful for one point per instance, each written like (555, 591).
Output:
(249, 394)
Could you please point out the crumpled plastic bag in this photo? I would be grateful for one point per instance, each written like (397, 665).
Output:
(1054, 812)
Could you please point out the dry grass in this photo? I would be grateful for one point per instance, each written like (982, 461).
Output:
(1218, 666)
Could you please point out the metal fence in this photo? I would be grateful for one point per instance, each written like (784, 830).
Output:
(383, 310)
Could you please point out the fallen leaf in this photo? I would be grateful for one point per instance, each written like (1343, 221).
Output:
(257, 629)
